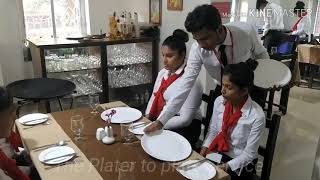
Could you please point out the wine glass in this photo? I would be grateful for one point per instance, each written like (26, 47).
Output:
(94, 103)
(77, 126)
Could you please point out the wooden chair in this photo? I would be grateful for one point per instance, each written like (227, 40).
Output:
(267, 151)
(209, 99)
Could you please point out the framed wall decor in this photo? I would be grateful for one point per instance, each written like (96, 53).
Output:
(175, 5)
(155, 11)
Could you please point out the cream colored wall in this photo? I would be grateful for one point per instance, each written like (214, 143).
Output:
(11, 35)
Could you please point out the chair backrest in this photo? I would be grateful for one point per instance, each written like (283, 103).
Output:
(268, 151)
(209, 99)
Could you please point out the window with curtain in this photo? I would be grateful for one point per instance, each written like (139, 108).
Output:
(316, 30)
(53, 18)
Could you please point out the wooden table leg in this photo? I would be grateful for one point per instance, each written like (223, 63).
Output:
(270, 103)
(312, 72)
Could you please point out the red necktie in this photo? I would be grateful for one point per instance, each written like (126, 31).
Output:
(220, 142)
(159, 102)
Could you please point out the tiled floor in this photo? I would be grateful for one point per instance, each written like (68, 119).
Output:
(298, 136)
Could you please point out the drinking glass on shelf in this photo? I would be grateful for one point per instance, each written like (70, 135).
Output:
(94, 103)
(77, 126)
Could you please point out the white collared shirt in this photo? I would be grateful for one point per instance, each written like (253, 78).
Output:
(273, 17)
(303, 27)
(244, 140)
(245, 45)
(190, 109)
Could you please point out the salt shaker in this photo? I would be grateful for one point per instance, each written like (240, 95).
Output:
(100, 134)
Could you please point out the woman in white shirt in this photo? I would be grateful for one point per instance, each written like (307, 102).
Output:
(302, 26)
(237, 122)
(187, 121)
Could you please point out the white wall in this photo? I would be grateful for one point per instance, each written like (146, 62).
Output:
(172, 20)
(11, 35)
(99, 10)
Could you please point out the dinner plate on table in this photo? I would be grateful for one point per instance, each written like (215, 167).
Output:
(122, 115)
(33, 119)
(56, 155)
(166, 146)
(200, 171)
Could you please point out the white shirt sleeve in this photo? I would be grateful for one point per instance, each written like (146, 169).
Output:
(191, 73)
(213, 126)
(258, 50)
(189, 109)
(251, 149)
(303, 27)
(267, 21)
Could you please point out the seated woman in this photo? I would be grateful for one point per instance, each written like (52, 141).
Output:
(188, 121)
(237, 122)
(303, 24)
(9, 142)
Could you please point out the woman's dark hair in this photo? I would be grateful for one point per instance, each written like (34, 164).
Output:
(299, 7)
(5, 100)
(260, 2)
(204, 16)
(241, 74)
(177, 41)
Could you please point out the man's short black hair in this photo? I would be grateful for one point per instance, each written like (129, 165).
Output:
(204, 16)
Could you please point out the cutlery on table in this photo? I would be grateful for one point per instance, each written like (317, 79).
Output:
(139, 125)
(191, 165)
(58, 157)
(29, 121)
(60, 143)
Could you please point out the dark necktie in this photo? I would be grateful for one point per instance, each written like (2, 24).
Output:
(223, 58)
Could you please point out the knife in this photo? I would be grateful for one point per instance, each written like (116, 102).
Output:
(190, 166)
(66, 155)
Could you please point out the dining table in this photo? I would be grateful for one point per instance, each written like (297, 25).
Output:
(95, 160)
(309, 54)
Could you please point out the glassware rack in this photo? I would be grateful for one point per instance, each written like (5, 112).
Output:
(117, 70)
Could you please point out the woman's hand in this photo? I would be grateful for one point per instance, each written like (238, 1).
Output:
(156, 125)
(203, 151)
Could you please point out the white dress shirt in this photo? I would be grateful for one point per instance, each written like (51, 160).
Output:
(273, 17)
(303, 27)
(244, 140)
(190, 109)
(245, 45)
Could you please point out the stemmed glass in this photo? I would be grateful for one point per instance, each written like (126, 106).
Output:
(77, 126)
(94, 103)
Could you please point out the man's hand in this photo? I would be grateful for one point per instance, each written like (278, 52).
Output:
(156, 125)
(224, 167)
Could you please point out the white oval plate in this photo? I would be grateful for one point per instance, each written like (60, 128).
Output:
(122, 115)
(271, 73)
(29, 117)
(166, 146)
(199, 172)
(56, 152)
(138, 130)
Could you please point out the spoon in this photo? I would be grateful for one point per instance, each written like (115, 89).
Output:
(60, 143)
